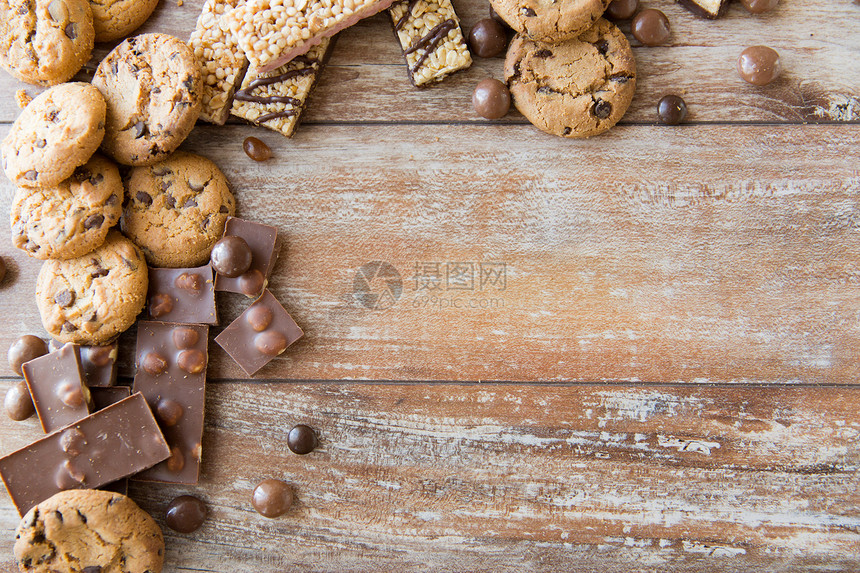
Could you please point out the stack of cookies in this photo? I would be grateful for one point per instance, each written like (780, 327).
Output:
(570, 72)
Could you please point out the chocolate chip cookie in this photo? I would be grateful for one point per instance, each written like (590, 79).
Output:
(176, 209)
(45, 42)
(89, 531)
(152, 86)
(578, 88)
(115, 19)
(93, 298)
(550, 21)
(57, 132)
(71, 219)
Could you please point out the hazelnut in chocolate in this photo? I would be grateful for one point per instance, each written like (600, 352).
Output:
(264, 244)
(98, 363)
(182, 295)
(56, 383)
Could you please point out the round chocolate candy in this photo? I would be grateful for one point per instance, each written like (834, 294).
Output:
(651, 27)
(759, 6)
(24, 350)
(231, 256)
(185, 514)
(301, 439)
(256, 149)
(272, 498)
(2, 269)
(487, 38)
(18, 402)
(622, 9)
(491, 99)
(252, 282)
(672, 109)
(759, 65)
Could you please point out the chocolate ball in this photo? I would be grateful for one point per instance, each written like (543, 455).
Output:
(252, 283)
(491, 99)
(488, 38)
(18, 402)
(185, 514)
(2, 269)
(24, 350)
(301, 440)
(651, 27)
(272, 498)
(231, 256)
(759, 65)
(622, 9)
(256, 149)
(759, 6)
(672, 109)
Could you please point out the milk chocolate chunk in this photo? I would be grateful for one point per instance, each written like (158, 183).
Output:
(111, 444)
(97, 362)
(182, 295)
(706, 8)
(265, 245)
(102, 398)
(260, 333)
(175, 391)
(56, 383)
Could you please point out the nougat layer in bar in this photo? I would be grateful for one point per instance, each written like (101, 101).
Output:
(273, 32)
(276, 99)
(431, 39)
(222, 62)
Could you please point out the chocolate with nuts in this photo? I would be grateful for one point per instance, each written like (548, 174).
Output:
(265, 245)
(171, 364)
(98, 363)
(56, 383)
(260, 334)
(110, 444)
(182, 295)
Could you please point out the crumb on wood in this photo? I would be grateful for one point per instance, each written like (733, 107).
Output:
(22, 99)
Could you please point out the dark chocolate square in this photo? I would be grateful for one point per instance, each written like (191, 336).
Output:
(260, 333)
(171, 364)
(265, 246)
(182, 295)
(56, 383)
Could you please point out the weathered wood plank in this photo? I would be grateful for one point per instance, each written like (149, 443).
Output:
(527, 478)
(817, 40)
(720, 254)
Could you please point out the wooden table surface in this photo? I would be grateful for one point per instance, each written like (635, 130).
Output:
(634, 352)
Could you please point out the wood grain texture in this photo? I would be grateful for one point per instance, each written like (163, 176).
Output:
(817, 39)
(525, 478)
(709, 254)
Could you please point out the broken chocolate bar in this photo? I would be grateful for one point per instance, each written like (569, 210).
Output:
(97, 362)
(260, 334)
(182, 295)
(56, 383)
(265, 246)
(273, 32)
(431, 39)
(104, 447)
(171, 372)
(222, 62)
(705, 8)
(102, 398)
(276, 99)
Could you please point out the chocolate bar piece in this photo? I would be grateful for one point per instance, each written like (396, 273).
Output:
(706, 8)
(102, 398)
(260, 333)
(97, 362)
(431, 39)
(273, 32)
(56, 384)
(104, 447)
(182, 295)
(222, 62)
(171, 373)
(276, 99)
(265, 246)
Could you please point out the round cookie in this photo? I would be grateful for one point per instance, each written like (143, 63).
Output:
(176, 209)
(71, 219)
(93, 298)
(152, 86)
(89, 530)
(57, 132)
(550, 21)
(578, 88)
(45, 42)
(115, 19)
